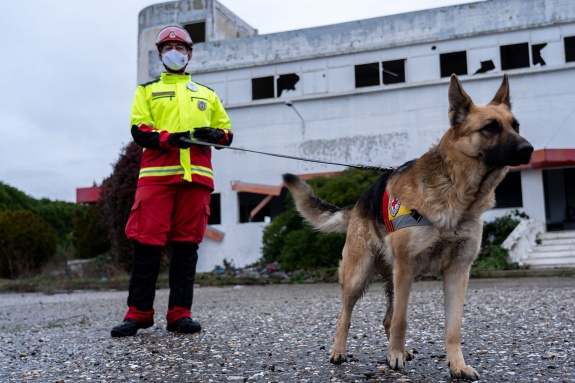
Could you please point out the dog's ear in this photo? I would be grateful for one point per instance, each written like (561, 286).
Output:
(459, 102)
(502, 95)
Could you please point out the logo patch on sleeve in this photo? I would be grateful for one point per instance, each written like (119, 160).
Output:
(202, 105)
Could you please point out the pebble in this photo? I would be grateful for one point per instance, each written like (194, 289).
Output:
(514, 330)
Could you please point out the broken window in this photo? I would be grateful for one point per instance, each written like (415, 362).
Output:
(262, 87)
(569, 48)
(393, 72)
(508, 193)
(454, 62)
(197, 31)
(514, 56)
(367, 75)
(286, 82)
(536, 54)
(486, 66)
(215, 217)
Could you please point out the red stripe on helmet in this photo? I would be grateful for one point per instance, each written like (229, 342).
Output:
(173, 33)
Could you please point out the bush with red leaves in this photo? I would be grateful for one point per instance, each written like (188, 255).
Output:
(117, 198)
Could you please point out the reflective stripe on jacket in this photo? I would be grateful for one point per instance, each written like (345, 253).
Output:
(175, 103)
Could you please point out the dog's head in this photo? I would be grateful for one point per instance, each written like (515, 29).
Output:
(489, 133)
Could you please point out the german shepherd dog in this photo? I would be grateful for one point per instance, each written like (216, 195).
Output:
(445, 191)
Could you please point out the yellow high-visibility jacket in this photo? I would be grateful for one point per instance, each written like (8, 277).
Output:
(175, 103)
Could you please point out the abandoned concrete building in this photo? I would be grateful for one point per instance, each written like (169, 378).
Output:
(374, 92)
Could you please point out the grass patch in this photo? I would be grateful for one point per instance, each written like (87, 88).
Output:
(41, 284)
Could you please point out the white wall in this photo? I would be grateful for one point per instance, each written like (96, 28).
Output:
(533, 194)
(241, 246)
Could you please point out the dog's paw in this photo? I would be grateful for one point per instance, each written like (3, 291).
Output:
(465, 372)
(338, 358)
(397, 359)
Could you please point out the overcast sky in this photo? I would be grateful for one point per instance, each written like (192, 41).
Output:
(68, 72)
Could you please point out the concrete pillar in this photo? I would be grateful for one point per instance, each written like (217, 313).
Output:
(533, 194)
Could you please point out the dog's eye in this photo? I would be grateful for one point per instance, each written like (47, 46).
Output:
(492, 127)
(515, 126)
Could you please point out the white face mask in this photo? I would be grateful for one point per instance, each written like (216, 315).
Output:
(174, 59)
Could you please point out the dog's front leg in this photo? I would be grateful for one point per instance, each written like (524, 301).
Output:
(402, 280)
(454, 289)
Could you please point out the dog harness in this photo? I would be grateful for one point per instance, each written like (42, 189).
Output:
(397, 216)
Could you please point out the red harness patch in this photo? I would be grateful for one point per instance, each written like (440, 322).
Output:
(397, 216)
(384, 212)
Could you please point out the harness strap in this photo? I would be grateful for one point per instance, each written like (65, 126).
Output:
(396, 216)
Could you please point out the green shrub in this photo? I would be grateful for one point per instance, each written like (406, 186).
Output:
(492, 256)
(27, 242)
(90, 237)
(294, 244)
(58, 214)
(497, 231)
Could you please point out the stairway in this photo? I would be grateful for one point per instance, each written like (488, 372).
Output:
(557, 249)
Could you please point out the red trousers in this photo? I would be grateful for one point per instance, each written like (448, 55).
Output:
(172, 212)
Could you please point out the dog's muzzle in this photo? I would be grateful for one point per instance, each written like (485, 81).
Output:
(524, 150)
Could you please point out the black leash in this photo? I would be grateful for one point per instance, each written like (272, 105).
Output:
(361, 167)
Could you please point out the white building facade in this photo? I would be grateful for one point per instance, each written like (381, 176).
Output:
(373, 92)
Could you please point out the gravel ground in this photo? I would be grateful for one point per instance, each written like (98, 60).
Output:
(514, 330)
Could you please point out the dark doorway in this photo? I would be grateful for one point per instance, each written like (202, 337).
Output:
(559, 187)
(508, 193)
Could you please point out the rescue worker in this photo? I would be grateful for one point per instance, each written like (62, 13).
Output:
(172, 201)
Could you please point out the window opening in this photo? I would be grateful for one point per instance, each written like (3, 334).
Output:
(536, 54)
(248, 202)
(454, 62)
(486, 66)
(393, 72)
(270, 208)
(215, 217)
(286, 82)
(262, 87)
(569, 48)
(197, 31)
(514, 56)
(367, 75)
(508, 193)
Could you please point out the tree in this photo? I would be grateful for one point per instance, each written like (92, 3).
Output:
(58, 214)
(26, 244)
(117, 199)
(13, 199)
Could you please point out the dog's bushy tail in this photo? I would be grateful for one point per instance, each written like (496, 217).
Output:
(320, 214)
